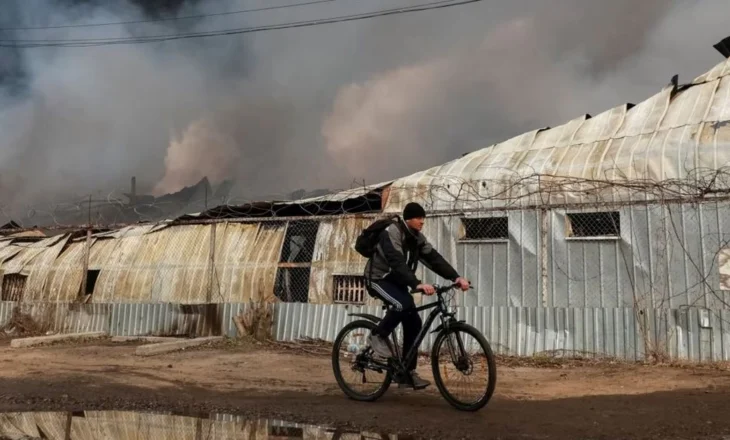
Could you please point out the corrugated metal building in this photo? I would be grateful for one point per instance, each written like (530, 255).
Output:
(606, 235)
(126, 425)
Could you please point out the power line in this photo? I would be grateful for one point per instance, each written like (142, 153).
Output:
(154, 20)
(297, 24)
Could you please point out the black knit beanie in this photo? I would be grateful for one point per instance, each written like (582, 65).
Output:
(413, 210)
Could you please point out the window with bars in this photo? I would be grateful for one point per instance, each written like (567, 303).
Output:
(13, 286)
(594, 224)
(485, 228)
(348, 289)
(285, 432)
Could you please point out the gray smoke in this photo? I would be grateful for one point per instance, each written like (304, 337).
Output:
(322, 106)
(549, 63)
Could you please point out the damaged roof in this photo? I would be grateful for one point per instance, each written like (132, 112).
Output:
(674, 144)
(362, 199)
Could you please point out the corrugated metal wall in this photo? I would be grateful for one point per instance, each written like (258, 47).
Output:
(174, 319)
(161, 426)
(6, 311)
(334, 255)
(13, 286)
(687, 333)
(129, 425)
(667, 257)
(538, 284)
(130, 319)
(526, 331)
(65, 277)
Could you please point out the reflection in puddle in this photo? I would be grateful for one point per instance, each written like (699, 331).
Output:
(125, 425)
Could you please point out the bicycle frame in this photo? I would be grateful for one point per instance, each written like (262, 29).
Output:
(448, 336)
(440, 310)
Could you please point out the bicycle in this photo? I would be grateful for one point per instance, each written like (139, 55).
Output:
(449, 330)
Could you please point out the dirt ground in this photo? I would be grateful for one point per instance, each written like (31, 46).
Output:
(571, 400)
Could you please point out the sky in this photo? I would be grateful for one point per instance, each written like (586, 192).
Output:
(318, 107)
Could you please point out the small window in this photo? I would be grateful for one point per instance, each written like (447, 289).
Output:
(285, 432)
(91, 277)
(485, 228)
(348, 289)
(594, 224)
(13, 287)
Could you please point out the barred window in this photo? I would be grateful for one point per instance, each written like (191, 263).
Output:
(285, 432)
(348, 289)
(13, 286)
(594, 224)
(485, 228)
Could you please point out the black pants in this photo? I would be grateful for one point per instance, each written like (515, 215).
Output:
(403, 311)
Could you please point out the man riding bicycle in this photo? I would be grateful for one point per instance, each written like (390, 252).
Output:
(391, 275)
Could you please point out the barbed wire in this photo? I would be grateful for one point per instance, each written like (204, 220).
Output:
(443, 194)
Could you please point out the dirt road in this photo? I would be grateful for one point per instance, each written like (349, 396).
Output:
(569, 401)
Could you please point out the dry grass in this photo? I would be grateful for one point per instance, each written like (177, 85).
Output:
(256, 321)
(22, 324)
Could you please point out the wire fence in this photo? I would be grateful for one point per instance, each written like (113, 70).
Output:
(443, 194)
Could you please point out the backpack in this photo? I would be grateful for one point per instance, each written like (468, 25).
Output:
(368, 239)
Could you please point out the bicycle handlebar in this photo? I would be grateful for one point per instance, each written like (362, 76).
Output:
(441, 289)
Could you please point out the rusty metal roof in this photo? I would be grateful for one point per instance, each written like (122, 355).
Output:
(175, 264)
(342, 196)
(334, 255)
(18, 257)
(30, 233)
(64, 279)
(677, 138)
(355, 200)
(38, 269)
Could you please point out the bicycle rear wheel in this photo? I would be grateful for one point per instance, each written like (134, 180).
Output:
(356, 374)
(463, 367)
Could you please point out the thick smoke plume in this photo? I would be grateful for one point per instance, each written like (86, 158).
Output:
(557, 60)
(202, 151)
(322, 106)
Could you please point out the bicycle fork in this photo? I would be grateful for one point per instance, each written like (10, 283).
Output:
(460, 359)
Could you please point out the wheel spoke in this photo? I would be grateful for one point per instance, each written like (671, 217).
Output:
(356, 374)
(464, 368)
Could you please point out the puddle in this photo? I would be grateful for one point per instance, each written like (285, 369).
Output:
(127, 425)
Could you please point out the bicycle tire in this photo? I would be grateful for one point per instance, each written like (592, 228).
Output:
(492, 381)
(338, 373)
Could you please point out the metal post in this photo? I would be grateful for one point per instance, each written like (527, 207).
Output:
(211, 265)
(133, 198)
(69, 418)
(198, 429)
(544, 236)
(85, 276)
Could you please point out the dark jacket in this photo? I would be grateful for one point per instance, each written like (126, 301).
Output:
(398, 253)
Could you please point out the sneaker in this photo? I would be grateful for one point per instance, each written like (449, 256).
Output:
(418, 382)
(380, 346)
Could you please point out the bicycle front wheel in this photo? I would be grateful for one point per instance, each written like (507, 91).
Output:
(356, 374)
(463, 367)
